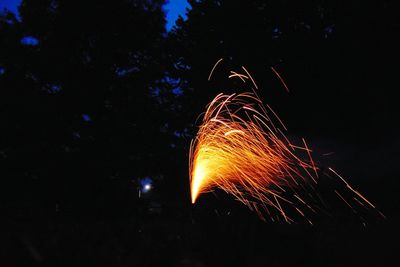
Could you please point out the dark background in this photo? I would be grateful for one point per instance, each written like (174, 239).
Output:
(98, 104)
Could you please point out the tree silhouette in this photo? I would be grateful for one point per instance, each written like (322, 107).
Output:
(79, 99)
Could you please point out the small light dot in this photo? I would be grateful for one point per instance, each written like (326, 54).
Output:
(147, 187)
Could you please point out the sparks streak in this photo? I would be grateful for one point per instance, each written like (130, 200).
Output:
(281, 79)
(241, 148)
(240, 151)
(212, 70)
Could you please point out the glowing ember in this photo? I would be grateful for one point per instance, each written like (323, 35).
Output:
(241, 148)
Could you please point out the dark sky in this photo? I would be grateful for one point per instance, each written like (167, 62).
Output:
(10, 5)
(173, 9)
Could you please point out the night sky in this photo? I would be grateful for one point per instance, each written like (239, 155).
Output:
(11, 5)
(173, 9)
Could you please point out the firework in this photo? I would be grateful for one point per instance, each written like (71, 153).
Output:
(242, 148)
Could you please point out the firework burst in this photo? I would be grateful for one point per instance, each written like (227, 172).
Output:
(242, 148)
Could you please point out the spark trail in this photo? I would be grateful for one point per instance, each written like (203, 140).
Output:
(242, 148)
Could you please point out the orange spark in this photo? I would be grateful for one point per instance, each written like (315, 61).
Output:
(241, 148)
(281, 79)
(212, 70)
(238, 150)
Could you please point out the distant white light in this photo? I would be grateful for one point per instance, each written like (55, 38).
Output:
(147, 187)
(146, 184)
